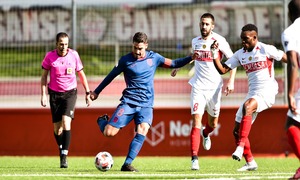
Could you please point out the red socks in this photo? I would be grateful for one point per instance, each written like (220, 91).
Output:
(247, 151)
(195, 141)
(293, 135)
(245, 127)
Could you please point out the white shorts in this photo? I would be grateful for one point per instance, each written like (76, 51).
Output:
(264, 101)
(206, 100)
(297, 101)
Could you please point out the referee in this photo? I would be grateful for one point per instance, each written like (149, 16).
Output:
(62, 64)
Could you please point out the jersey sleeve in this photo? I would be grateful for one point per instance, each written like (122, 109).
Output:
(233, 61)
(79, 65)
(118, 69)
(46, 62)
(225, 48)
(274, 53)
(160, 60)
(288, 41)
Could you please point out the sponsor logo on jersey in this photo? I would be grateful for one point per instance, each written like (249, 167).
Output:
(255, 66)
(204, 56)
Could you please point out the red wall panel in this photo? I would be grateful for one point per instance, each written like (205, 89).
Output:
(30, 132)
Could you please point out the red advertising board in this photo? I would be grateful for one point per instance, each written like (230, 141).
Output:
(30, 132)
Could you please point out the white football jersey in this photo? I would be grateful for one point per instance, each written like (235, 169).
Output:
(291, 38)
(259, 66)
(291, 42)
(206, 76)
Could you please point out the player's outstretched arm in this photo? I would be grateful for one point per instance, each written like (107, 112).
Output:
(107, 80)
(222, 68)
(174, 72)
(93, 96)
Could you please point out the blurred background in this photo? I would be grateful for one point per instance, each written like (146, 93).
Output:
(101, 31)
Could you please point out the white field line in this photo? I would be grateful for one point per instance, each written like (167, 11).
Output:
(144, 175)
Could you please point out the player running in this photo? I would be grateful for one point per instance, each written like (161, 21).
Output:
(206, 85)
(257, 59)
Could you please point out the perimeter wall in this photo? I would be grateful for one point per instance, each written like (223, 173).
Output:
(30, 132)
(101, 35)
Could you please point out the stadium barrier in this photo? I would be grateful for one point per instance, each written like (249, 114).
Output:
(30, 132)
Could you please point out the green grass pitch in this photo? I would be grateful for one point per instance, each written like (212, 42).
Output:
(28, 167)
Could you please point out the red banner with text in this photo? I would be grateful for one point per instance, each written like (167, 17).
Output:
(30, 132)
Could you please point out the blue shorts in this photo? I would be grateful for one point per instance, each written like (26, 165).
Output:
(125, 113)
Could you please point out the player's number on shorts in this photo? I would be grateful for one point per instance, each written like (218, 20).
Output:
(195, 107)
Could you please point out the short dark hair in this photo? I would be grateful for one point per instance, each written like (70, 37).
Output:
(140, 37)
(294, 10)
(208, 15)
(61, 35)
(250, 27)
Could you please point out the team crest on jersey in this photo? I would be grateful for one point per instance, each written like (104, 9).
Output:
(149, 62)
(250, 58)
(204, 46)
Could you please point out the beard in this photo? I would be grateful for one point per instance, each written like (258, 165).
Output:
(204, 33)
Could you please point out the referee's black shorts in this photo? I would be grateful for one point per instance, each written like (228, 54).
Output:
(62, 103)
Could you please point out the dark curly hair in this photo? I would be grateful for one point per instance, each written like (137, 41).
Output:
(294, 10)
(250, 27)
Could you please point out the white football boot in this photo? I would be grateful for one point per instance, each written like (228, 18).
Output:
(206, 142)
(238, 153)
(249, 166)
(195, 164)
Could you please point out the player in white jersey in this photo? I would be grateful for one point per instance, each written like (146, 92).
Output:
(206, 85)
(257, 59)
(291, 43)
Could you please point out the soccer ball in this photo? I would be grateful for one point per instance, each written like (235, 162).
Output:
(104, 161)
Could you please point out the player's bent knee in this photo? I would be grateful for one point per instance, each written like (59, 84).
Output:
(110, 132)
(143, 129)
